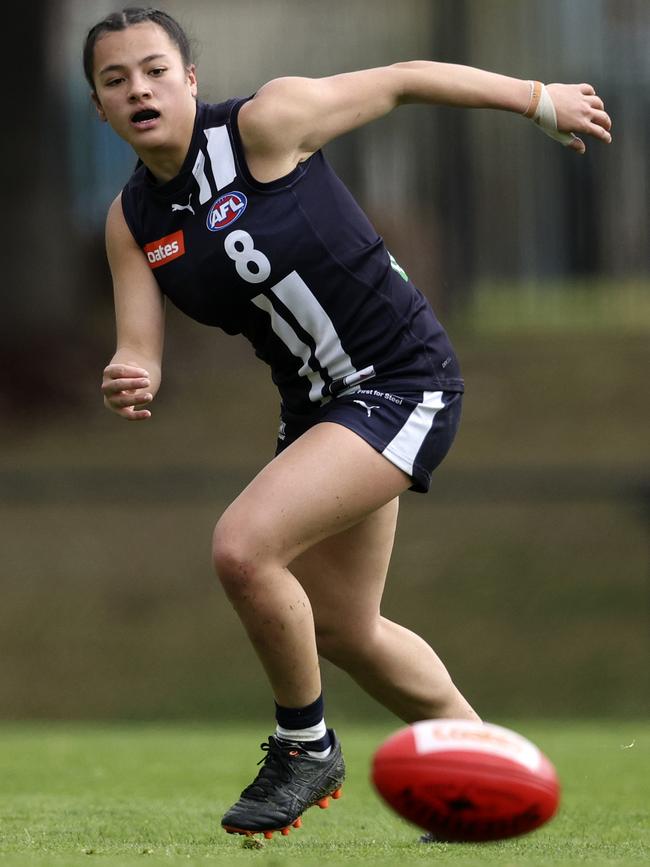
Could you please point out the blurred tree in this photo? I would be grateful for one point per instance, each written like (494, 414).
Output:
(455, 192)
(38, 246)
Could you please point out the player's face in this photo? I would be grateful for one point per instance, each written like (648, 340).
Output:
(142, 88)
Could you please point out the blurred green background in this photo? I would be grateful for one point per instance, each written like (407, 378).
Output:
(526, 565)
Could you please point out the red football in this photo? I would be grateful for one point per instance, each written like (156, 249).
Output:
(466, 781)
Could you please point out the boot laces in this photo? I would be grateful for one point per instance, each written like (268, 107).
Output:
(276, 768)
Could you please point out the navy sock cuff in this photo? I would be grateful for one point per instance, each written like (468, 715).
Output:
(318, 746)
(300, 717)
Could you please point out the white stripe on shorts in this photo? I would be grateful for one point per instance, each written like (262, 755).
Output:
(403, 448)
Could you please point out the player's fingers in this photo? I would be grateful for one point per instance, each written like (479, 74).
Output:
(598, 126)
(135, 414)
(126, 399)
(587, 89)
(124, 371)
(114, 386)
(596, 102)
(599, 132)
(602, 119)
(131, 414)
(590, 122)
(577, 145)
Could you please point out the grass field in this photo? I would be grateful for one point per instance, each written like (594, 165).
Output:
(144, 794)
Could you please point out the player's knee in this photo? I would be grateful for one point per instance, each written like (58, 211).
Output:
(234, 558)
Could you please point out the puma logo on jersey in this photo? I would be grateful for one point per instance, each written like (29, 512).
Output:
(225, 210)
(165, 249)
(367, 408)
(187, 207)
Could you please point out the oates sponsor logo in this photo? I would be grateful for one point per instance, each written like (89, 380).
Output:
(225, 210)
(165, 249)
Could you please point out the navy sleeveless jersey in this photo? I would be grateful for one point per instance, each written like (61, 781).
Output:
(294, 265)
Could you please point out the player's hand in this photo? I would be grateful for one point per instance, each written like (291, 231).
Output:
(581, 111)
(124, 387)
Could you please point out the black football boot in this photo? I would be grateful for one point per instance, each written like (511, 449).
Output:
(289, 781)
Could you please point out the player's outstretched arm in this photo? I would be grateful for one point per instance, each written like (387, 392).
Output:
(300, 115)
(132, 378)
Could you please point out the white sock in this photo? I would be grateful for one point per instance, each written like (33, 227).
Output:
(305, 736)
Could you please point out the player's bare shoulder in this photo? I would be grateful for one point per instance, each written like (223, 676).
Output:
(125, 256)
(270, 113)
(118, 233)
(271, 130)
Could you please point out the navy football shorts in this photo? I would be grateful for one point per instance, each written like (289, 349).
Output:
(412, 430)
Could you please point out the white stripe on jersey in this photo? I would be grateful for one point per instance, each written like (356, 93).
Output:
(221, 156)
(205, 191)
(301, 301)
(403, 448)
(295, 345)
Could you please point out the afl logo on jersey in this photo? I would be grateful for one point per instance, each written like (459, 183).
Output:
(225, 210)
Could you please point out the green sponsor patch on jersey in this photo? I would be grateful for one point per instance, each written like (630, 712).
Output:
(397, 267)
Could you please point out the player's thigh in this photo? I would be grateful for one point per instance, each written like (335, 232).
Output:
(344, 575)
(325, 482)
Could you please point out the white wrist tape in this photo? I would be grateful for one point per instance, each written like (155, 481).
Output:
(542, 112)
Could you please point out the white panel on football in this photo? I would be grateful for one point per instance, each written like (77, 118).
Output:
(443, 735)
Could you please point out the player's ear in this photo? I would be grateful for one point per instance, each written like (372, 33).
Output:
(98, 106)
(191, 79)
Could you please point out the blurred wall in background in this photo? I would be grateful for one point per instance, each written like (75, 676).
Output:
(526, 566)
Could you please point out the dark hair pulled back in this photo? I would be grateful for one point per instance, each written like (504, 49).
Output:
(126, 18)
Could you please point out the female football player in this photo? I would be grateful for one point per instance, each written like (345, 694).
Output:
(235, 215)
